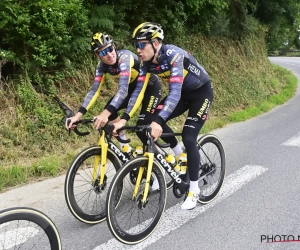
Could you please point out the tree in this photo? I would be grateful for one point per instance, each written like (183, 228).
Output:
(39, 34)
(282, 18)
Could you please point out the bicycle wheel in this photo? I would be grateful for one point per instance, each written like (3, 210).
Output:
(27, 228)
(86, 198)
(130, 221)
(212, 167)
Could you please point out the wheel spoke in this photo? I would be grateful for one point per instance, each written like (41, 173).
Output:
(135, 219)
(212, 167)
(27, 228)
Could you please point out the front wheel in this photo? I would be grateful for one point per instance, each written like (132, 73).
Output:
(27, 228)
(211, 168)
(131, 220)
(85, 197)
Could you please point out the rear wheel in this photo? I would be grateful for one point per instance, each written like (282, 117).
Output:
(212, 167)
(85, 197)
(130, 219)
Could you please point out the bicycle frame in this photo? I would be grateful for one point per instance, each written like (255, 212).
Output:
(153, 154)
(134, 217)
(105, 143)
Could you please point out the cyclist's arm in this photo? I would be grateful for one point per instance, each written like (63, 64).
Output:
(137, 96)
(94, 92)
(175, 86)
(126, 63)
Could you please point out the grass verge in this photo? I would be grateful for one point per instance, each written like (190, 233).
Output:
(54, 164)
(287, 92)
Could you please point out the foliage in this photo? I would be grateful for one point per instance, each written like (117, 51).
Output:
(55, 35)
(282, 18)
(34, 141)
(171, 14)
(217, 5)
(44, 33)
(46, 45)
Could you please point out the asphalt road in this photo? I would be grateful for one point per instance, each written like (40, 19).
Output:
(257, 208)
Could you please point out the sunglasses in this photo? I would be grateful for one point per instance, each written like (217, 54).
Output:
(106, 50)
(140, 45)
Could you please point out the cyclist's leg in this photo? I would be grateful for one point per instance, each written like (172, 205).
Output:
(200, 101)
(173, 141)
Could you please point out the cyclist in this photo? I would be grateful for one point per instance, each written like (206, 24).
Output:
(189, 89)
(124, 66)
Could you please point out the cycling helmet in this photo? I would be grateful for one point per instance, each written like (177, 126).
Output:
(100, 40)
(148, 31)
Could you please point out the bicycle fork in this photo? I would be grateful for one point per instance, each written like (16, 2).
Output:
(103, 157)
(148, 178)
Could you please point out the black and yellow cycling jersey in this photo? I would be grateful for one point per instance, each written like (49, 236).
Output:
(179, 68)
(126, 70)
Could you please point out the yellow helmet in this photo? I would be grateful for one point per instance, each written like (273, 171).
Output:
(100, 40)
(148, 31)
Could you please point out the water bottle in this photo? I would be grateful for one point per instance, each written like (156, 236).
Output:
(138, 151)
(182, 161)
(127, 150)
(171, 160)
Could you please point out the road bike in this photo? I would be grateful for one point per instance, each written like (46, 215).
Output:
(27, 228)
(133, 216)
(90, 173)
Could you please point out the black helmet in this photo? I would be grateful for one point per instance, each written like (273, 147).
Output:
(148, 31)
(100, 40)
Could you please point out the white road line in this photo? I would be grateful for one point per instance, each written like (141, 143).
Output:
(17, 236)
(174, 217)
(294, 141)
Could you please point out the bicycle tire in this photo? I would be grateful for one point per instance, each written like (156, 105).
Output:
(30, 215)
(212, 162)
(94, 198)
(146, 218)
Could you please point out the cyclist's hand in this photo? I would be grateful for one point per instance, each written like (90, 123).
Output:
(70, 121)
(156, 130)
(118, 125)
(100, 120)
